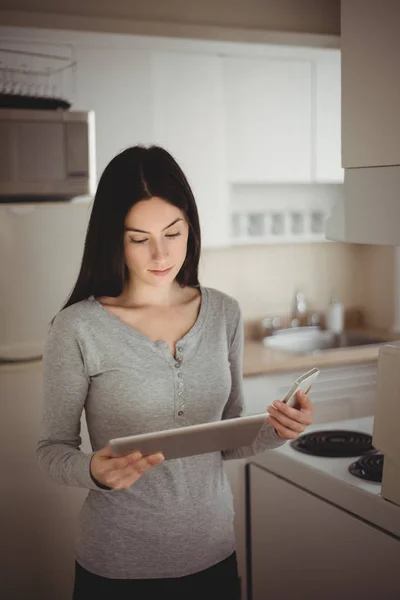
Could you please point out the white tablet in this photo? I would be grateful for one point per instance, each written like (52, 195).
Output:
(193, 439)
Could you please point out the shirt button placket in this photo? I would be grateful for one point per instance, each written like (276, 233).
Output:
(178, 363)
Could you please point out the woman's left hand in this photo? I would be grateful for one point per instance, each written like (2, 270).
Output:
(290, 422)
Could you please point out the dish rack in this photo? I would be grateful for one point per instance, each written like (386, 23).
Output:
(36, 80)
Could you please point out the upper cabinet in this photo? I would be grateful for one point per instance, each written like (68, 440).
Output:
(188, 121)
(268, 111)
(229, 113)
(327, 115)
(283, 117)
(116, 84)
(370, 83)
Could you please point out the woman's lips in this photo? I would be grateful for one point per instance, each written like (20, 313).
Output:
(161, 273)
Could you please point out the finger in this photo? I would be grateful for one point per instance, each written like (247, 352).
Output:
(152, 460)
(109, 468)
(142, 465)
(155, 459)
(133, 471)
(106, 451)
(284, 432)
(304, 401)
(287, 421)
(117, 479)
(295, 414)
(126, 482)
(115, 464)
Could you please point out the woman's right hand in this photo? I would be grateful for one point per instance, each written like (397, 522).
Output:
(120, 473)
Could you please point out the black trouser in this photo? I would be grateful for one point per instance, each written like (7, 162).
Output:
(219, 581)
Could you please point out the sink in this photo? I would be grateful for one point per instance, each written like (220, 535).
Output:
(310, 340)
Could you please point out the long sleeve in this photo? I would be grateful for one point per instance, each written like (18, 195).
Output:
(66, 385)
(267, 438)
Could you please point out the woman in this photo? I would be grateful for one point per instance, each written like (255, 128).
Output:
(141, 346)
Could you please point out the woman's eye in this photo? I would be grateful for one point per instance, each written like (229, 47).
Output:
(138, 241)
(173, 235)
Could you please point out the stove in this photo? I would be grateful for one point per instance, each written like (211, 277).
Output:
(334, 443)
(348, 477)
(324, 488)
(344, 443)
(369, 467)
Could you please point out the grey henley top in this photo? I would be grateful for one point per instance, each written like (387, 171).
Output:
(177, 519)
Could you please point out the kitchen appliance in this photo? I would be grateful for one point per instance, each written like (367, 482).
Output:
(387, 419)
(38, 516)
(46, 154)
(335, 443)
(369, 467)
(344, 443)
(315, 528)
(41, 246)
(47, 181)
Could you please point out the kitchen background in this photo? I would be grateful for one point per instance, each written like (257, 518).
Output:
(262, 276)
(249, 186)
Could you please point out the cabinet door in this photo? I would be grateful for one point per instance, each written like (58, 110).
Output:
(370, 83)
(303, 547)
(268, 119)
(328, 154)
(188, 122)
(116, 84)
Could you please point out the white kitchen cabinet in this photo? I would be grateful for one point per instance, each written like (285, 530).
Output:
(189, 123)
(370, 83)
(327, 151)
(338, 393)
(229, 112)
(116, 84)
(268, 105)
(309, 549)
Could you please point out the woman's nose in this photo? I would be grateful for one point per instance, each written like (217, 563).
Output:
(159, 251)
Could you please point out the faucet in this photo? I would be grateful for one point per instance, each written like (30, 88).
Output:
(299, 309)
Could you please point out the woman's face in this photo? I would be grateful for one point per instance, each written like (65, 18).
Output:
(156, 235)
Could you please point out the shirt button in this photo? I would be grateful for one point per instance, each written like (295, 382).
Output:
(179, 358)
(180, 376)
(180, 349)
(177, 365)
(180, 413)
(180, 393)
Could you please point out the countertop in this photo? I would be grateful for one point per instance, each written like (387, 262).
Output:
(259, 360)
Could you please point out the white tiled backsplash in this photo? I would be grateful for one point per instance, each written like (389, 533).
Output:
(263, 277)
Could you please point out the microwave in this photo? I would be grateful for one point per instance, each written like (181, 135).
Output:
(46, 154)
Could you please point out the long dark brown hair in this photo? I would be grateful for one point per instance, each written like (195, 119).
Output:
(136, 174)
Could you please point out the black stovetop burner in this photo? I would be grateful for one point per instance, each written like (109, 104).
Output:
(368, 467)
(334, 443)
